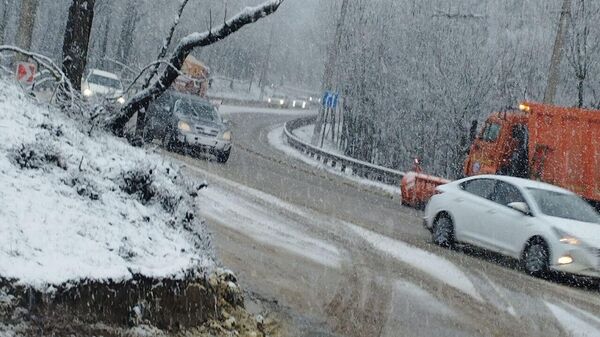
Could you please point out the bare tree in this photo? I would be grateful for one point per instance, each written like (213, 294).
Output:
(582, 46)
(141, 117)
(6, 7)
(76, 41)
(26, 24)
(185, 46)
(132, 17)
(554, 72)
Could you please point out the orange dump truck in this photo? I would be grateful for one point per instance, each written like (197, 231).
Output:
(195, 78)
(557, 145)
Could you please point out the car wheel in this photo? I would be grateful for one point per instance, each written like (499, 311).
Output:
(536, 258)
(223, 156)
(443, 232)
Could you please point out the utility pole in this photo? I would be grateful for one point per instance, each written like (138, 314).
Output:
(330, 69)
(26, 25)
(554, 73)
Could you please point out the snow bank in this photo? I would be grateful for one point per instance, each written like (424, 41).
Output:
(80, 204)
(277, 141)
(575, 326)
(305, 134)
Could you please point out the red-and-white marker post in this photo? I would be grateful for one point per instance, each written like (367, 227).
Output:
(26, 72)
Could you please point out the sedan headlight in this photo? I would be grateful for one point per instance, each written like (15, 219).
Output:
(566, 238)
(183, 126)
(281, 102)
(121, 100)
(226, 136)
(87, 92)
(269, 100)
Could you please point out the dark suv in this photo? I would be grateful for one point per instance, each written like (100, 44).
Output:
(188, 123)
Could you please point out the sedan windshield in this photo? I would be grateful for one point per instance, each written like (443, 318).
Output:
(200, 110)
(562, 205)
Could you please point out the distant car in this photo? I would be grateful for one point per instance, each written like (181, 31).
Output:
(102, 84)
(300, 103)
(278, 101)
(545, 227)
(188, 123)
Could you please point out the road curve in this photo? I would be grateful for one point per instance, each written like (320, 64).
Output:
(344, 259)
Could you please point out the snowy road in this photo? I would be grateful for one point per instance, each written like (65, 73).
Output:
(346, 259)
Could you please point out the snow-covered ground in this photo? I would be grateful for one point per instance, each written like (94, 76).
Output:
(81, 204)
(305, 134)
(276, 139)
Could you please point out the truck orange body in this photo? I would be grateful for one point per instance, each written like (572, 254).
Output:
(195, 78)
(557, 145)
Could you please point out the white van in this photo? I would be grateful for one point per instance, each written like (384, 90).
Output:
(103, 84)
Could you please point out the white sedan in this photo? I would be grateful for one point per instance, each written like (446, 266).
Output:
(544, 226)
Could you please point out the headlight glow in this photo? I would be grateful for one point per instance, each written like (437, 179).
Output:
(303, 105)
(566, 238)
(269, 100)
(226, 136)
(121, 100)
(569, 240)
(87, 92)
(565, 260)
(281, 102)
(183, 126)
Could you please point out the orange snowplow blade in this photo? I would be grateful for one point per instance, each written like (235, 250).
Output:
(418, 188)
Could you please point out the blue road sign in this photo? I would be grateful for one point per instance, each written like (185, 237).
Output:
(330, 99)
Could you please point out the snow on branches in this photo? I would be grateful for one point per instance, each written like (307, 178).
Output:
(182, 50)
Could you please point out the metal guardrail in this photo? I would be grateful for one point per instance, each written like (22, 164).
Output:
(343, 163)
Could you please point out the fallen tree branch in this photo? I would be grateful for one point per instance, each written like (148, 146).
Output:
(185, 46)
(153, 64)
(167, 42)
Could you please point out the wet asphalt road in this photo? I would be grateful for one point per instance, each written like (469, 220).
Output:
(368, 289)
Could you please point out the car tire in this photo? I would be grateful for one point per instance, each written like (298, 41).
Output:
(442, 233)
(223, 156)
(536, 258)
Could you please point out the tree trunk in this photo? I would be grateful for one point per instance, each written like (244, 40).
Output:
(77, 39)
(127, 30)
(26, 25)
(4, 21)
(554, 73)
(104, 43)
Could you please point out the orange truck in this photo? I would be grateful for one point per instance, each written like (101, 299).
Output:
(557, 145)
(195, 77)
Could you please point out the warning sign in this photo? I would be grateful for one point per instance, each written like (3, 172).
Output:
(26, 72)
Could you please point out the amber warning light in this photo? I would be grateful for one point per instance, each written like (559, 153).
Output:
(524, 108)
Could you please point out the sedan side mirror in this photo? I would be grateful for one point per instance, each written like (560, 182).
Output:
(520, 207)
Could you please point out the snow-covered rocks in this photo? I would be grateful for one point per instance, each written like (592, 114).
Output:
(78, 204)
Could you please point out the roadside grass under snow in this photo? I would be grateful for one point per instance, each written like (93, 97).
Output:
(80, 204)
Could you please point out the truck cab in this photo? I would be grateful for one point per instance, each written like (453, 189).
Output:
(501, 147)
